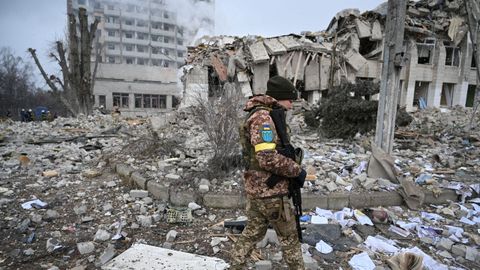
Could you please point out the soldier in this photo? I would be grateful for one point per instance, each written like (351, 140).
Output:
(268, 202)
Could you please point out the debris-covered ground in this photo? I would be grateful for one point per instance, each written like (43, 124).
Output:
(63, 207)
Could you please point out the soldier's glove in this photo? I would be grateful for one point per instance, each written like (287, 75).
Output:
(300, 179)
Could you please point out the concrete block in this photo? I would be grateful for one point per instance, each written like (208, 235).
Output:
(310, 263)
(224, 201)
(138, 193)
(445, 244)
(459, 250)
(158, 191)
(171, 235)
(445, 196)
(269, 238)
(338, 201)
(85, 247)
(472, 254)
(263, 265)
(203, 188)
(124, 170)
(139, 180)
(310, 201)
(259, 53)
(182, 198)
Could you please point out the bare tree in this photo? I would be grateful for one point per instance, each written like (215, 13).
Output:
(75, 89)
(473, 17)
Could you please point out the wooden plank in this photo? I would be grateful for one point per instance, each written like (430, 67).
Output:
(261, 74)
(274, 46)
(259, 53)
(290, 43)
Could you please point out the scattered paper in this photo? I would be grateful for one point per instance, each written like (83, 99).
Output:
(35, 203)
(361, 168)
(399, 231)
(323, 247)
(362, 218)
(377, 244)
(319, 220)
(324, 213)
(407, 226)
(361, 262)
(457, 231)
(432, 216)
(467, 221)
(339, 216)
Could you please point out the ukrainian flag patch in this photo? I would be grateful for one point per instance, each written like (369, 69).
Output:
(267, 133)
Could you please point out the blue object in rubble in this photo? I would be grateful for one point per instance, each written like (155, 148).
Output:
(305, 218)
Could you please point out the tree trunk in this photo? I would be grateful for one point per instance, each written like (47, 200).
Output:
(76, 88)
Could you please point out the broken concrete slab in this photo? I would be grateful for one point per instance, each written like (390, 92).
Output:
(259, 53)
(355, 59)
(261, 73)
(289, 43)
(141, 256)
(274, 46)
(376, 31)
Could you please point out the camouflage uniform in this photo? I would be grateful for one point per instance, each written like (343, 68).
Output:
(266, 205)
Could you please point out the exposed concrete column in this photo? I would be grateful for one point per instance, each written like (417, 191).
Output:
(131, 101)
(108, 100)
(436, 86)
(169, 102)
(314, 97)
(461, 88)
(410, 77)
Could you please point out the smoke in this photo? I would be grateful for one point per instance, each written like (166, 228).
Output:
(196, 17)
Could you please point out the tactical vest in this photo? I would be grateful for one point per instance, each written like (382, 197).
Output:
(248, 150)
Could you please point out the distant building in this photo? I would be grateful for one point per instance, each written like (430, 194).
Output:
(141, 46)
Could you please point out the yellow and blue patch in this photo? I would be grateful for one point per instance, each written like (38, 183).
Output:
(267, 133)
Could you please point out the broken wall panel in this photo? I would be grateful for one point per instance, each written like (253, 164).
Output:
(259, 53)
(274, 46)
(283, 64)
(325, 64)
(220, 68)
(297, 64)
(261, 74)
(312, 75)
(376, 31)
(355, 60)
(363, 28)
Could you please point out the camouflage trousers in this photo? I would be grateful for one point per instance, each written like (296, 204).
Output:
(260, 212)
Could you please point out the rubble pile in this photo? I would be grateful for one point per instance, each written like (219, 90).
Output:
(62, 206)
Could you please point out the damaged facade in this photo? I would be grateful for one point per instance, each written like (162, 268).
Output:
(438, 67)
(140, 46)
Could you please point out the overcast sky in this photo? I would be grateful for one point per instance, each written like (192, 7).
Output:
(38, 23)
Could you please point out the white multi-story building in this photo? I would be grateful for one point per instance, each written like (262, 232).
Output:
(141, 44)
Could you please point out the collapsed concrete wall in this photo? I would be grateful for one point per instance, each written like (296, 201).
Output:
(438, 55)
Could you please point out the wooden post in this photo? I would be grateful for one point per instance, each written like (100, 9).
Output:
(390, 80)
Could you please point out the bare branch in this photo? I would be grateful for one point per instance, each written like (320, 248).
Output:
(42, 71)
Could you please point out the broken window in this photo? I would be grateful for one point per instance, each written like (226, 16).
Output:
(470, 95)
(166, 40)
(369, 48)
(166, 14)
(128, 47)
(102, 101)
(141, 61)
(142, 36)
(128, 35)
(448, 91)
(180, 54)
(141, 23)
(120, 100)
(141, 48)
(474, 61)
(425, 49)
(150, 101)
(111, 59)
(129, 60)
(180, 42)
(452, 54)
(111, 46)
(111, 33)
(128, 22)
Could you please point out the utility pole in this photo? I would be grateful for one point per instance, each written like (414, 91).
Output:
(390, 80)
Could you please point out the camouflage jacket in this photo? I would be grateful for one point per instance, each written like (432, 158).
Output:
(261, 138)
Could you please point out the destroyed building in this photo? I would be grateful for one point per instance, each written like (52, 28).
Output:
(140, 46)
(438, 69)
